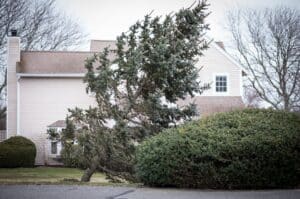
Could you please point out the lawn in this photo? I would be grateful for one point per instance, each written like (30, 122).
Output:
(47, 175)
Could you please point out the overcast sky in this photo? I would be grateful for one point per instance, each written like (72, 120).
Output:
(105, 19)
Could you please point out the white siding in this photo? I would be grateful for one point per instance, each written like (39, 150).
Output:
(215, 62)
(44, 101)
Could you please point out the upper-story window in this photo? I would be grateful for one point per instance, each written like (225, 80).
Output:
(221, 83)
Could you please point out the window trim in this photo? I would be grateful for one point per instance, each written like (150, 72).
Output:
(56, 147)
(228, 84)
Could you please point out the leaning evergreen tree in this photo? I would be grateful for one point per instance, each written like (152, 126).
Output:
(136, 86)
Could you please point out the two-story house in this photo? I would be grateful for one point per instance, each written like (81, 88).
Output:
(42, 85)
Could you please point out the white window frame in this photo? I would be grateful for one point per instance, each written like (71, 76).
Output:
(228, 84)
(56, 147)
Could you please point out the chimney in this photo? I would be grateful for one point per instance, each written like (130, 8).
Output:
(13, 57)
(13, 32)
(220, 44)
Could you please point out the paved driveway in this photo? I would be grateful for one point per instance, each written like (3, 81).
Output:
(96, 192)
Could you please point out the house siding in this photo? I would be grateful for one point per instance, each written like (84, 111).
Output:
(215, 62)
(45, 100)
(35, 102)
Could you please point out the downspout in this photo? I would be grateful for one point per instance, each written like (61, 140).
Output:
(6, 133)
(18, 105)
(241, 84)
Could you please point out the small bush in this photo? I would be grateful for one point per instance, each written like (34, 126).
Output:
(72, 156)
(17, 152)
(241, 149)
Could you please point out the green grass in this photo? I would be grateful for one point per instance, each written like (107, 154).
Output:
(47, 175)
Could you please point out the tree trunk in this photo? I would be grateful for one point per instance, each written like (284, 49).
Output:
(90, 171)
(286, 103)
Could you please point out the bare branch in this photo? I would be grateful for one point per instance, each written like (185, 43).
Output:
(267, 44)
(40, 26)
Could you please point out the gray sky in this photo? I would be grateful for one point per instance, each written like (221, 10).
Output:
(105, 19)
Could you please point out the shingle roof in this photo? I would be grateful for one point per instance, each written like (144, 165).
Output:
(62, 62)
(53, 62)
(208, 105)
(58, 123)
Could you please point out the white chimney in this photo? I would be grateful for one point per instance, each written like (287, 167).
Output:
(13, 57)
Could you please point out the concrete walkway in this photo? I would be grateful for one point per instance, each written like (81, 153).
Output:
(106, 192)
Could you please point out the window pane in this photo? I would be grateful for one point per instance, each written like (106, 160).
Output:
(221, 83)
(54, 147)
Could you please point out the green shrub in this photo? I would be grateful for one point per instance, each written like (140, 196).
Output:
(72, 156)
(17, 152)
(241, 149)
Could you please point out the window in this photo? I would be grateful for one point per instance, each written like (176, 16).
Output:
(53, 147)
(221, 83)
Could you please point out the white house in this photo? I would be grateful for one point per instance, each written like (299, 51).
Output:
(42, 85)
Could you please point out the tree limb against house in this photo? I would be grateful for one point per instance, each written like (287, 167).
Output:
(142, 83)
(153, 65)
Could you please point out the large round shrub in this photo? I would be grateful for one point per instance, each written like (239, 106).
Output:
(17, 152)
(241, 149)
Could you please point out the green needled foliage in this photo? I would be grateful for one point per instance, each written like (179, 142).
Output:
(251, 148)
(136, 85)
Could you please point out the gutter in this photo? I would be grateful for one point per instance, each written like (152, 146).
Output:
(70, 75)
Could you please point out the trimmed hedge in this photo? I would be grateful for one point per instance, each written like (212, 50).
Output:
(17, 151)
(250, 148)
